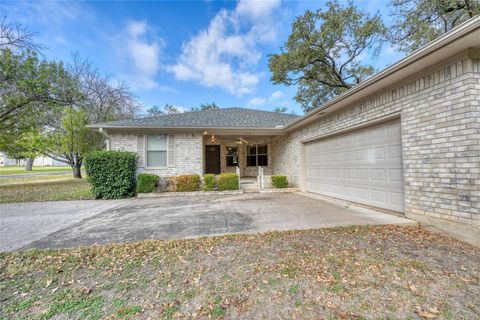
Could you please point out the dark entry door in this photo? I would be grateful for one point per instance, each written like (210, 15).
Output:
(212, 159)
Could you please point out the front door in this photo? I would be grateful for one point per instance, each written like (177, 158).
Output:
(212, 159)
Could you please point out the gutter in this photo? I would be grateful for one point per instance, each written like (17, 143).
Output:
(92, 126)
(460, 31)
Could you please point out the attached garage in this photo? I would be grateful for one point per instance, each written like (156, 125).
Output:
(363, 166)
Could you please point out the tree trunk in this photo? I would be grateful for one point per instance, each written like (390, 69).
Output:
(29, 164)
(77, 170)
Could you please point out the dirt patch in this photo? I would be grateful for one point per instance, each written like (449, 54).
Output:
(348, 273)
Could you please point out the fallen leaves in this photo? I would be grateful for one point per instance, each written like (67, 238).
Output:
(430, 313)
(379, 270)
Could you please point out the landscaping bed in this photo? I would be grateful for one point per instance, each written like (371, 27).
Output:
(150, 185)
(280, 190)
(386, 272)
(188, 193)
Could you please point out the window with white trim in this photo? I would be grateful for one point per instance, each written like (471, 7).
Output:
(257, 155)
(156, 151)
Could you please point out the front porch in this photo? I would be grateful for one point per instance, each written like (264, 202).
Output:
(222, 154)
(250, 156)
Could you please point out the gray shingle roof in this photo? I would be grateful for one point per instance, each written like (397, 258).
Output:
(221, 118)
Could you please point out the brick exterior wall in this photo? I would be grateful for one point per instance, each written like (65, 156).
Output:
(440, 120)
(188, 153)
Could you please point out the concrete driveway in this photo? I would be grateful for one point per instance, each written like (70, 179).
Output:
(187, 217)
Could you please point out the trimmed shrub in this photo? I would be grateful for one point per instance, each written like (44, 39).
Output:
(209, 182)
(111, 173)
(147, 182)
(166, 184)
(227, 181)
(280, 181)
(188, 182)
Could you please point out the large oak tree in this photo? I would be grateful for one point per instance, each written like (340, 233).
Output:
(323, 54)
(417, 22)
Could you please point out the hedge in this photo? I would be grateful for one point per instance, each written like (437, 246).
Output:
(227, 181)
(167, 184)
(111, 173)
(188, 182)
(147, 182)
(209, 182)
(280, 181)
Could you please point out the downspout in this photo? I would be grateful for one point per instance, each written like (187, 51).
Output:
(105, 134)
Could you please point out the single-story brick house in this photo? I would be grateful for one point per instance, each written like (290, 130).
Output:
(406, 140)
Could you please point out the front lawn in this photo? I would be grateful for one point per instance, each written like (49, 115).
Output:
(8, 170)
(383, 272)
(44, 189)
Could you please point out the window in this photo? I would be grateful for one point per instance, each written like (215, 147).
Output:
(262, 154)
(156, 151)
(257, 155)
(232, 157)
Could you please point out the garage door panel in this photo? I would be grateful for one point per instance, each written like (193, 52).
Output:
(362, 166)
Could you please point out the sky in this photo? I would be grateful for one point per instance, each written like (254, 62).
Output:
(183, 53)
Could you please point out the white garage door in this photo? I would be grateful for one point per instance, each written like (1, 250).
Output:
(363, 166)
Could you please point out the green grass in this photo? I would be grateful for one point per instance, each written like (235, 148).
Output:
(70, 302)
(21, 170)
(60, 189)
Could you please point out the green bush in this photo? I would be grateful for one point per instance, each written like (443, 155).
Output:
(147, 182)
(280, 181)
(111, 173)
(209, 182)
(227, 181)
(188, 182)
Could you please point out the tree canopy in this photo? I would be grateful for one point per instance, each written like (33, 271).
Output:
(29, 95)
(206, 106)
(322, 55)
(45, 105)
(280, 109)
(417, 22)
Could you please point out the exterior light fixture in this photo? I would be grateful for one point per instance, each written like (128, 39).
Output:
(241, 141)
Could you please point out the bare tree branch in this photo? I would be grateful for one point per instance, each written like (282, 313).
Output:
(16, 37)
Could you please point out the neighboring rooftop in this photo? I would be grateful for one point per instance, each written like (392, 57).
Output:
(220, 118)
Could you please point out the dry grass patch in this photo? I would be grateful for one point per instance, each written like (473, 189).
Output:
(343, 273)
(44, 189)
(8, 170)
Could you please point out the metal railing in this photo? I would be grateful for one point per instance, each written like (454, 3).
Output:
(237, 171)
(261, 178)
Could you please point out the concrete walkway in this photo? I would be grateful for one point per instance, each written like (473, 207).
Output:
(81, 223)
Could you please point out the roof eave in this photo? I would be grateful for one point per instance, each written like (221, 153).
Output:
(210, 130)
(94, 126)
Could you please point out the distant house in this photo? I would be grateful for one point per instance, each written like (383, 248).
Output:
(406, 139)
(6, 161)
(39, 161)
